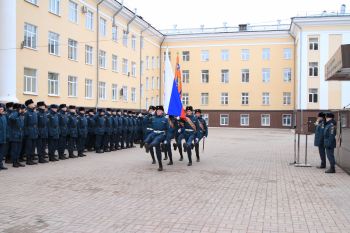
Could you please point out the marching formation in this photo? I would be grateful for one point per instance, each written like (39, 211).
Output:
(34, 133)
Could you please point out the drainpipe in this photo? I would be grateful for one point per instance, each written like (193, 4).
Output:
(300, 64)
(98, 52)
(148, 26)
(117, 13)
(160, 72)
(132, 19)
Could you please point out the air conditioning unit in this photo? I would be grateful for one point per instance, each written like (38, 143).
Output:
(84, 9)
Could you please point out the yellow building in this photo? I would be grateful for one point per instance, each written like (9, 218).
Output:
(101, 54)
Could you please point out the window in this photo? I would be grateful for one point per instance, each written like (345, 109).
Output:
(125, 93)
(114, 63)
(287, 75)
(54, 43)
(114, 92)
(147, 62)
(72, 86)
(287, 53)
(88, 88)
(225, 55)
(266, 75)
(89, 20)
(244, 119)
(265, 119)
(30, 36)
(266, 98)
(205, 116)
(224, 119)
(103, 27)
(224, 76)
(153, 63)
(72, 49)
(152, 101)
(186, 55)
(125, 38)
(73, 12)
(30, 81)
(204, 98)
(205, 55)
(157, 100)
(133, 42)
(205, 76)
(224, 98)
(185, 76)
(133, 95)
(313, 69)
(158, 63)
(313, 43)
(125, 66)
(245, 54)
(133, 69)
(88, 54)
(147, 103)
(158, 83)
(185, 99)
(245, 98)
(102, 94)
(286, 120)
(54, 7)
(313, 95)
(287, 98)
(153, 83)
(147, 79)
(102, 59)
(266, 54)
(53, 84)
(115, 34)
(245, 75)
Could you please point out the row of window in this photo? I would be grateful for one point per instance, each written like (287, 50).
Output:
(31, 87)
(265, 120)
(224, 98)
(152, 84)
(245, 75)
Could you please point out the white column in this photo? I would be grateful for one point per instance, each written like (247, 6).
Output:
(324, 54)
(7, 51)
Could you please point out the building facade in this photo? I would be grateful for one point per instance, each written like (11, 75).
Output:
(101, 54)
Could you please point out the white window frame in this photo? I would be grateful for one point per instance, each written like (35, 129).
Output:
(205, 76)
(313, 95)
(245, 54)
(30, 36)
(115, 33)
(244, 119)
(224, 119)
(88, 89)
(133, 42)
(204, 55)
(89, 50)
(72, 86)
(285, 119)
(205, 116)
(313, 43)
(114, 63)
(225, 54)
(53, 84)
(266, 75)
(287, 75)
(125, 38)
(89, 20)
(224, 98)
(186, 76)
(245, 98)
(153, 83)
(158, 83)
(265, 120)
(125, 94)
(147, 83)
(133, 69)
(266, 54)
(313, 69)
(185, 56)
(185, 99)
(72, 50)
(265, 98)
(205, 98)
(103, 26)
(287, 98)
(102, 59)
(30, 81)
(245, 75)
(102, 90)
(225, 76)
(54, 43)
(133, 94)
(125, 66)
(73, 12)
(55, 7)
(287, 53)
(114, 92)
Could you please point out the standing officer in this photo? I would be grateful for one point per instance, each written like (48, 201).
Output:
(16, 124)
(147, 129)
(91, 130)
(191, 127)
(119, 129)
(30, 131)
(202, 131)
(54, 131)
(114, 144)
(330, 133)
(72, 131)
(160, 126)
(319, 138)
(100, 131)
(43, 131)
(9, 110)
(82, 131)
(3, 135)
(108, 131)
(63, 121)
(124, 141)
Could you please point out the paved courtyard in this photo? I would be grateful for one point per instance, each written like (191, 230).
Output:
(242, 184)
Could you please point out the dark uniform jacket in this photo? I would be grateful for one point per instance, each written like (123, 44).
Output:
(187, 126)
(63, 121)
(16, 127)
(54, 125)
(43, 123)
(100, 125)
(3, 129)
(72, 125)
(109, 124)
(31, 124)
(330, 132)
(91, 124)
(203, 128)
(319, 134)
(82, 125)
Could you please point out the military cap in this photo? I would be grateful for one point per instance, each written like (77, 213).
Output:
(54, 106)
(129, 112)
(114, 110)
(2, 106)
(80, 109)
(189, 108)
(160, 107)
(197, 110)
(118, 110)
(63, 105)
(108, 109)
(9, 105)
(28, 102)
(16, 106)
(101, 110)
(22, 106)
(329, 115)
(91, 110)
(40, 104)
(321, 114)
(71, 107)
(152, 107)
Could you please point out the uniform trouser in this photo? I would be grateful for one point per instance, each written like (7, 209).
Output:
(90, 141)
(330, 156)
(168, 151)
(72, 142)
(179, 144)
(23, 149)
(41, 147)
(2, 153)
(322, 152)
(81, 144)
(159, 154)
(53, 146)
(154, 139)
(7, 152)
(30, 148)
(124, 139)
(15, 151)
(189, 137)
(196, 146)
(106, 141)
(99, 142)
(62, 144)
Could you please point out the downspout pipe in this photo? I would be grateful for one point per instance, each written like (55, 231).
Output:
(117, 13)
(98, 51)
(300, 73)
(141, 39)
(160, 71)
(130, 21)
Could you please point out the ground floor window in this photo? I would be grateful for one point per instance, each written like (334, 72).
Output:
(265, 120)
(224, 119)
(244, 119)
(286, 120)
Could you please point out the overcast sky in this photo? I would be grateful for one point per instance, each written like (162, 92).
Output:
(163, 14)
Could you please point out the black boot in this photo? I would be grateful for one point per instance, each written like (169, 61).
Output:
(330, 170)
(181, 158)
(185, 147)
(189, 164)
(147, 148)
(322, 166)
(175, 146)
(42, 160)
(170, 163)
(160, 168)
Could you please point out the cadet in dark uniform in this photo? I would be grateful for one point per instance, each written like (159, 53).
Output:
(100, 131)
(72, 131)
(202, 131)
(91, 130)
(160, 126)
(30, 131)
(114, 144)
(191, 127)
(147, 129)
(108, 131)
(169, 136)
(43, 130)
(330, 143)
(9, 110)
(120, 129)
(179, 136)
(124, 142)
(3, 135)
(82, 131)
(319, 138)
(54, 131)
(16, 123)
(63, 121)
